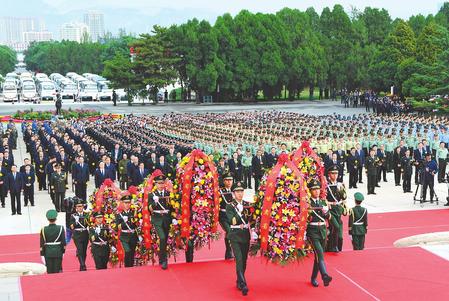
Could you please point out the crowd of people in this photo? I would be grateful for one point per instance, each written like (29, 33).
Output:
(373, 102)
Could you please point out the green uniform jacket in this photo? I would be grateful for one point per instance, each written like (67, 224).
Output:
(52, 241)
(163, 203)
(81, 224)
(358, 221)
(315, 216)
(371, 166)
(237, 234)
(57, 182)
(99, 242)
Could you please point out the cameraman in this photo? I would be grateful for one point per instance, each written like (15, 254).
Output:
(429, 170)
(418, 157)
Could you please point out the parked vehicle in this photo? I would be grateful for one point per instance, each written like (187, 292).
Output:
(104, 91)
(68, 90)
(87, 91)
(46, 90)
(9, 91)
(28, 91)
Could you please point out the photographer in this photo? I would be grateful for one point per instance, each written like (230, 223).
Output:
(418, 156)
(428, 172)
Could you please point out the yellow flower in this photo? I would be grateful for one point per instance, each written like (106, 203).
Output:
(201, 161)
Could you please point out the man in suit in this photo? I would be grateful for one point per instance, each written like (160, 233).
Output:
(151, 163)
(272, 158)
(3, 185)
(418, 156)
(100, 175)
(258, 164)
(353, 166)
(407, 170)
(116, 154)
(80, 177)
(139, 175)
(371, 170)
(28, 185)
(111, 170)
(15, 185)
(382, 168)
(164, 167)
(360, 153)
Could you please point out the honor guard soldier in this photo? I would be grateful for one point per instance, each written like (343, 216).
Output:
(159, 206)
(239, 235)
(79, 227)
(99, 242)
(226, 198)
(316, 232)
(358, 223)
(336, 195)
(371, 170)
(128, 235)
(52, 242)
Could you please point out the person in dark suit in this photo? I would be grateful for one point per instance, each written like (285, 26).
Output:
(80, 176)
(15, 185)
(407, 170)
(397, 166)
(116, 156)
(164, 167)
(58, 185)
(26, 162)
(139, 175)
(236, 168)
(151, 163)
(28, 185)
(353, 166)
(111, 169)
(360, 153)
(382, 168)
(100, 175)
(418, 157)
(271, 158)
(258, 164)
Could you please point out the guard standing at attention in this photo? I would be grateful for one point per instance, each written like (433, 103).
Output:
(52, 242)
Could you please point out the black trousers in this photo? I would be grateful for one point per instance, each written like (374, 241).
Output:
(353, 178)
(441, 169)
(428, 183)
(81, 191)
(247, 177)
(407, 182)
(41, 181)
(257, 179)
(59, 198)
(28, 194)
(54, 265)
(16, 206)
(372, 181)
(417, 179)
(397, 175)
(382, 173)
(360, 171)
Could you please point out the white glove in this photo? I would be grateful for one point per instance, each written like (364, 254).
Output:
(140, 238)
(350, 237)
(113, 249)
(77, 218)
(155, 198)
(325, 209)
(240, 207)
(305, 235)
(254, 235)
(43, 259)
(339, 185)
(174, 221)
(125, 219)
(97, 230)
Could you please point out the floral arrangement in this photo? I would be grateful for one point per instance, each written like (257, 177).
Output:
(279, 214)
(197, 183)
(47, 115)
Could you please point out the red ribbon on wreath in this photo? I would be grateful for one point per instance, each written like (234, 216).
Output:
(187, 189)
(146, 217)
(268, 202)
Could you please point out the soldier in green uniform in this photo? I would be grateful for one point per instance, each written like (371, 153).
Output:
(336, 196)
(52, 242)
(316, 232)
(225, 199)
(128, 236)
(371, 170)
(79, 227)
(358, 223)
(159, 206)
(58, 185)
(99, 239)
(239, 235)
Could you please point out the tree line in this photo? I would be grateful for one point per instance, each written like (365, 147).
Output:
(253, 55)
(8, 59)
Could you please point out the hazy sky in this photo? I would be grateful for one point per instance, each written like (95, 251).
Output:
(140, 15)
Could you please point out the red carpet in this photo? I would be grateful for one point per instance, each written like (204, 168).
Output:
(381, 270)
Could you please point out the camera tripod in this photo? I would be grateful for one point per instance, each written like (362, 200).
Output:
(421, 196)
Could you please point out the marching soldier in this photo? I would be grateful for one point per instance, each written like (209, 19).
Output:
(52, 242)
(226, 198)
(128, 236)
(316, 232)
(336, 195)
(99, 242)
(159, 206)
(57, 183)
(239, 235)
(79, 227)
(358, 223)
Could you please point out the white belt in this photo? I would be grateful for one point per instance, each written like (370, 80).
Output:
(80, 229)
(128, 231)
(242, 226)
(359, 223)
(53, 243)
(317, 223)
(335, 203)
(161, 211)
(223, 210)
(99, 243)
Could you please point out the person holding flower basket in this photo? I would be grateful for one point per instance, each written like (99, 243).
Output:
(316, 232)
(159, 206)
(127, 229)
(225, 199)
(239, 235)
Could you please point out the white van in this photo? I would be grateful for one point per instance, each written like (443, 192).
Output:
(104, 91)
(9, 91)
(46, 90)
(68, 90)
(87, 91)
(29, 91)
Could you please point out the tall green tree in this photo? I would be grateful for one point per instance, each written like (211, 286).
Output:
(8, 59)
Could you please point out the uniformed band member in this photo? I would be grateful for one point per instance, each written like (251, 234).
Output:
(99, 242)
(52, 242)
(358, 223)
(336, 196)
(316, 232)
(159, 206)
(79, 227)
(239, 235)
(128, 236)
(226, 198)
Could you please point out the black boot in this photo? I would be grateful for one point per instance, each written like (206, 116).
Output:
(243, 283)
(228, 253)
(239, 282)
(82, 262)
(314, 274)
(326, 278)
(340, 244)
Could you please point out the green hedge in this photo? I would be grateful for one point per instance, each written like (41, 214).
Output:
(47, 115)
(440, 106)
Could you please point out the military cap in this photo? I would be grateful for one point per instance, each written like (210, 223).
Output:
(126, 198)
(51, 214)
(78, 201)
(238, 187)
(333, 169)
(358, 197)
(314, 184)
(227, 176)
(98, 214)
(160, 178)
